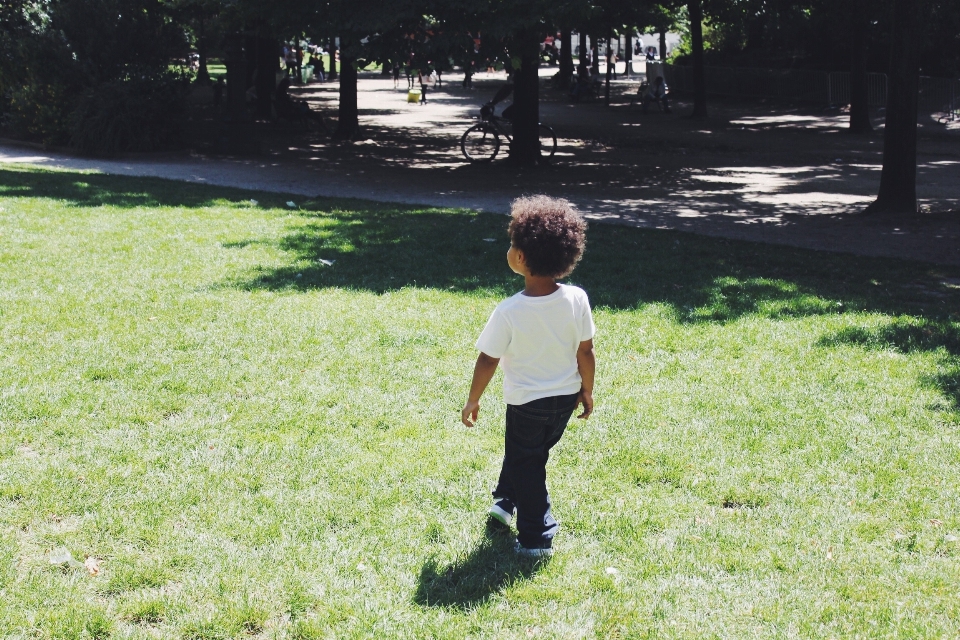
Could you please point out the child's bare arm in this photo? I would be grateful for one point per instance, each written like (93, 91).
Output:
(482, 374)
(586, 364)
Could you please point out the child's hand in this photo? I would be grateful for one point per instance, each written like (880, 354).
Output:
(470, 412)
(586, 399)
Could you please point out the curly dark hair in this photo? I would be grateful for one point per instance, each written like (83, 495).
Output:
(550, 233)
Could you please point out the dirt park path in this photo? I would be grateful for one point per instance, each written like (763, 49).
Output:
(757, 171)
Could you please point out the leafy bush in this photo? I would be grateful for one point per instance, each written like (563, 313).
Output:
(138, 113)
(39, 110)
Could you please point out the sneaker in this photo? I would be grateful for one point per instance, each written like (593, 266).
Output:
(502, 511)
(534, 552)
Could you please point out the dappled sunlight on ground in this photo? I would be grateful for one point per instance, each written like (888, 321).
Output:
(788, 120)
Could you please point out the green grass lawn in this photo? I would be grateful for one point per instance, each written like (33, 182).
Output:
(247, 442)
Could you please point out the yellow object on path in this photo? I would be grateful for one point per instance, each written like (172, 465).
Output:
(413, 95)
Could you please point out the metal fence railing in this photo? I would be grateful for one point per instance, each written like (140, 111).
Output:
(939, 97)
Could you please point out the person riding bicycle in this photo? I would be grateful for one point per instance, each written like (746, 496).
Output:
(487, 110)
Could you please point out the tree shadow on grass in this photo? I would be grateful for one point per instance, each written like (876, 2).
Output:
(912, 335)
(385, 247)
(490, 568)
(77, 189)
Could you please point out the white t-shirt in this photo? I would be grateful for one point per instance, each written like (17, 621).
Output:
(536, 339)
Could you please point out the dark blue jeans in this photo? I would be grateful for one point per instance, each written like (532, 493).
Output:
(532, 430)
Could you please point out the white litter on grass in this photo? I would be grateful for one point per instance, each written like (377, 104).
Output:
(254, 202)
(489, 239)
(291, 204)
(361, 567)
(612, 571)
(61, 555)
(329, 263)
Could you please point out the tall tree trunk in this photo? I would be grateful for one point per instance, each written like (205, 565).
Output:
(203, 76)
(898, 179)
(606, 84)
(525, 147)
(696, 40)
(268, 64)
(333, 59)
(298, 57)
(859, 91)
(663, 45)
(582, 56)
(236, 77)
(628, 56)
(594, 57)
(348, 124)
(566, 58)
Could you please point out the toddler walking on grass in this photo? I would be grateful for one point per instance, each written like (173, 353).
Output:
(544, 336)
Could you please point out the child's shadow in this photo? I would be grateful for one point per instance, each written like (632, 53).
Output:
(488, 569)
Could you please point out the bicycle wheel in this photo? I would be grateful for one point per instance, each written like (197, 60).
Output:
(548, 141)
(480, 143)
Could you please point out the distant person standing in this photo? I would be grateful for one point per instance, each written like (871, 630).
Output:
(424, 78)
(408, 71)
(396, 74)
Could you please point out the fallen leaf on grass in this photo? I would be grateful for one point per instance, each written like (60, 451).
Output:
(936, 523)
(291, 204)
(329, 263)
(92, 565)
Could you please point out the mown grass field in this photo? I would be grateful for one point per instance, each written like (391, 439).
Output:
(240, 440)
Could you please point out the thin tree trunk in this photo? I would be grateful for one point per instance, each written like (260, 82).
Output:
(566, 58)
(606, 85)
(298, 60)
(203, 76)
(268, 64)
(594, 57)
(663, 45)
(525, 147)
(699, 81)
(628, 56)
(898, 179)
(582, 56)
(333, 59)
(348, 124)
(859, 91)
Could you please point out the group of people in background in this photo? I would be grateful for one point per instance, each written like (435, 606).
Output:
(311, 55)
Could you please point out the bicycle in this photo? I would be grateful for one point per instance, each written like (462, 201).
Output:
(481, 142)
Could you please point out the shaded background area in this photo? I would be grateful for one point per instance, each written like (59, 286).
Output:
(778, 173)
